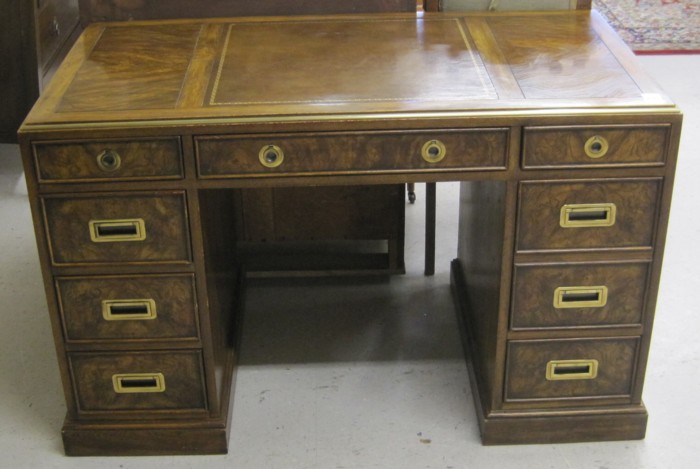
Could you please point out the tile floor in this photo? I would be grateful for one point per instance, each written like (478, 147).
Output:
(370, 381)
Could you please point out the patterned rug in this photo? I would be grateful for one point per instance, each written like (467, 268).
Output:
(655, 26)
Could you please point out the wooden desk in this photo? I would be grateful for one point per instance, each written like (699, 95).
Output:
(139, 152)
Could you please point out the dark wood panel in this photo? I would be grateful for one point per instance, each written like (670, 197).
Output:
(164, 217)
(534, 290)
(527, 368)
(464, 149)
(566, 147)
(93, 379)
(541, 205)
(104, 10)
(108, 159)
(175, 307)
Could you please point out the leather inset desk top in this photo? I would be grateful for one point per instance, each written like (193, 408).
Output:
(305, 67)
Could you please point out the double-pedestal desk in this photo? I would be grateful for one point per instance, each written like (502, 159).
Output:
(138, 152)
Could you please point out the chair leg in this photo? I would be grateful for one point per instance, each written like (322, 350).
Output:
(430, 215)
(411, 189)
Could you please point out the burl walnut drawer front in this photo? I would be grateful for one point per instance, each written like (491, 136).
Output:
(102, 228)
(559, 369)
(143, 381)
(587, 214)
(323, 153)
(555, 296)
(108, 160)
(591, 146)
(128, 308)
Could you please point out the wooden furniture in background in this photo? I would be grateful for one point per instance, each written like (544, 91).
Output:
(565, 150)
(34, 36)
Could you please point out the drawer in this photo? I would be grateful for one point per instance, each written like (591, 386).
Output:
(227, 156)
(558, 296)
(111, 228)
(570, 369)
(595, 146)
(56, 20)
(599, 214)
(128, 308)
(108, 160)
(139, 381)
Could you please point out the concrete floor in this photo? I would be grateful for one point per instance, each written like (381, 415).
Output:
(333, 379)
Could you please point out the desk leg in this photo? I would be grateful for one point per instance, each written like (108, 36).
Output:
(430, 200)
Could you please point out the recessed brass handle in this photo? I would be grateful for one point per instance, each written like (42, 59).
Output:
(271, 156)
(109, 161)
(115, 231)
(132, 383)
(587, 215)
(596, 147)
(129, 310)
(434, 151)
(580, 297)
(561, 370)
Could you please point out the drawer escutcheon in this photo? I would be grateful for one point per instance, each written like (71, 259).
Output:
(564, 370)
(271, 156)
(580, 297)
(132, 383)
(433, 151)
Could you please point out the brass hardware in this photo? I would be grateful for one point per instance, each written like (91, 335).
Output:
(596, 147)
(115, 231)
(580, 297)
(129, 310)
(561, 370)
(271, 156)
(433, 151)
(587, 215)
(109, 161)
(132, 383)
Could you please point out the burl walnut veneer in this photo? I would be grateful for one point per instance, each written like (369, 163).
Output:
(142, 152)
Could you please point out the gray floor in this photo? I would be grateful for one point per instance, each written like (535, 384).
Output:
(335, 379)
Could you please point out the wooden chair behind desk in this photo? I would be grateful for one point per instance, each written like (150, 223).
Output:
(353, 229)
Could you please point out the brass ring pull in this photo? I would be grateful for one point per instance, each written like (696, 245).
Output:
(109, 161)
(433, 151)
(596, 147)
(271, 156)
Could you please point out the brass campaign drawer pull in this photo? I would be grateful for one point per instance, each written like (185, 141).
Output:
(596, 147)
(587, 215)
(133, 383)
(433, 151)
(129, 310)
(114, 231)
(560, 370)
(271, 156)
(580, 297)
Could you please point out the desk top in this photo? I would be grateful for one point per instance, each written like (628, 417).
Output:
(340, 67)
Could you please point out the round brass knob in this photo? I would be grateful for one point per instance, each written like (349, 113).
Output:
(433, 151)
(271, 156)
(596, 147)
(109, 161)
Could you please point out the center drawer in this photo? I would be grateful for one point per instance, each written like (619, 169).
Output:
(227, 156)
(128, 308)
(115, 228)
